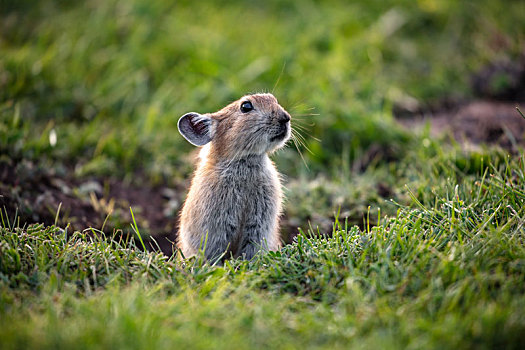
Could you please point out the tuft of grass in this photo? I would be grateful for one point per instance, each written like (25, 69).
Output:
(136, 229)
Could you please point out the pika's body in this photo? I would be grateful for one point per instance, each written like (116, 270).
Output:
(235, 197)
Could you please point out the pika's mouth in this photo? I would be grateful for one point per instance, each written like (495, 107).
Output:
(280, 135)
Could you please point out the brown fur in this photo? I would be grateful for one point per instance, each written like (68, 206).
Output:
(235, 196)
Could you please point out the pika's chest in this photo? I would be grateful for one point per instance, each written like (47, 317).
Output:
(247, 181)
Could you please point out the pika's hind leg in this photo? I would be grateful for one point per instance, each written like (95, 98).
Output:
(250, 247)
(259, 236)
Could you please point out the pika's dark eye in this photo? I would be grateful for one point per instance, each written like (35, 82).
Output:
(246, 106)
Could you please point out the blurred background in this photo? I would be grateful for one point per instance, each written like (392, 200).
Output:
(90, 95)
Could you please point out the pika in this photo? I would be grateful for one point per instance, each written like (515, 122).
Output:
(235, 198)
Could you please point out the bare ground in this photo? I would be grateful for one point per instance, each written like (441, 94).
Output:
(475, 122)
(38, 194)
(490, 117)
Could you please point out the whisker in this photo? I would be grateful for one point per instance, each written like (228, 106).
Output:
(300, 105)
(298, 129)
(303, 145)
(303, 122)
(279, 78)
(299, 151)
(304, 126)
(306, 114)
(301, 140)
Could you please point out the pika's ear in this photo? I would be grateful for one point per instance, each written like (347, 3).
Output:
(196, 128)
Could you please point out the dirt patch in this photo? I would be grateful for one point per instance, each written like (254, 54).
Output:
(503, 80)
(490, 118)
(475, 122)
(39, 194)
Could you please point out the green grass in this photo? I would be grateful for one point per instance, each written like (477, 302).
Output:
(112, 78)
(446, 274)
(420, 242)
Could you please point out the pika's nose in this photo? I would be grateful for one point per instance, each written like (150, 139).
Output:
(284, 118)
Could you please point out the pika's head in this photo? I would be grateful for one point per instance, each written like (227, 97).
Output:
(254, 124)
